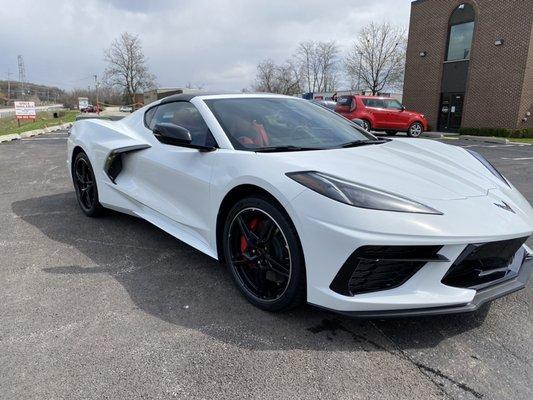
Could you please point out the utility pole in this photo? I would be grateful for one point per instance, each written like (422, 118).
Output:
(8, 85)
(96, 88)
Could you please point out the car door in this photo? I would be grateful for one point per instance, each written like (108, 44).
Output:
(397, 117)
(378, 112)
(175, 180)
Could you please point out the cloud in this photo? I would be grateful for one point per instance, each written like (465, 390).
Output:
(216, 43)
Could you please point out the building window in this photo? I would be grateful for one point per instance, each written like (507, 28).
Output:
(460, 33)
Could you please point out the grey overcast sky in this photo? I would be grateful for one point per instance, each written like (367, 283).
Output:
(217, 43)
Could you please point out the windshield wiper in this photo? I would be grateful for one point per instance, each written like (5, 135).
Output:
(274, 149)
(357, 143)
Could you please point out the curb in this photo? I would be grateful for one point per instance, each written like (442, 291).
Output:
(433, 135)
(485, 139)
(35, 132)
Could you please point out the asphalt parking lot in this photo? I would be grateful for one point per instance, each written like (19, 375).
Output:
(116, 308)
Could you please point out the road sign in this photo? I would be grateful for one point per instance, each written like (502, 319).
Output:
(25, 110)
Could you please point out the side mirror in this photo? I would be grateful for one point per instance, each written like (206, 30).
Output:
(403, 108)
(172, 134)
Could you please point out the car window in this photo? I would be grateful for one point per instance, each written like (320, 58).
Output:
(344, 101)
(255, 123)
(374, 103)
(393, 104)
(184, 114)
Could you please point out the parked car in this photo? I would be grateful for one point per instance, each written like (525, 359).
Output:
(303, 205)
(382, 114)
(91, 109)
(126, 109)
(330, 105)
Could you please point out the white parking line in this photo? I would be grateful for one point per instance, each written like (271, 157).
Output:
(517, 158)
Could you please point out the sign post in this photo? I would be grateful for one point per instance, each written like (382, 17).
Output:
(25, 110)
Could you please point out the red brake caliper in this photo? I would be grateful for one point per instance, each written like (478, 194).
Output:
(252, 225)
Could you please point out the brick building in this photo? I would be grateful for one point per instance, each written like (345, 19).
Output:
(470, 63)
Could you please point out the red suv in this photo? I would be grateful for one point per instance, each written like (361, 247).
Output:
(382, 114)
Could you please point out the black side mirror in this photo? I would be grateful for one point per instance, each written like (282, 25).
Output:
(173, 134)
(403, 108)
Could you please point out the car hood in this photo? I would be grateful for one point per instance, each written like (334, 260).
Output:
(415, 168)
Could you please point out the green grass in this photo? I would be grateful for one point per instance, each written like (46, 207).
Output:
(522, 140)
(44, 119)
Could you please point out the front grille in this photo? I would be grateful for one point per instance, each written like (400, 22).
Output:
(375, 268)
(483, 264)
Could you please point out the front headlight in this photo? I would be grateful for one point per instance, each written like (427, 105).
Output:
(489, 166)
(358, 195)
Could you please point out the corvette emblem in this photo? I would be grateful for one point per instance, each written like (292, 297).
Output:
(505, 206)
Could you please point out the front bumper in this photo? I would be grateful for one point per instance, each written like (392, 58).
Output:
(331, 232)
(481, 297)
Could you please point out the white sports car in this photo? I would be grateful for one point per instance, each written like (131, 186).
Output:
(304, 205)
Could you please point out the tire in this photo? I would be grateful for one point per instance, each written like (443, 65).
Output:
(271, 276)
(366, 125)
(415, 130)
(391, 133)
(85, 186)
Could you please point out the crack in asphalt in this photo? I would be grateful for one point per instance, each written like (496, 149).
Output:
(333, 325)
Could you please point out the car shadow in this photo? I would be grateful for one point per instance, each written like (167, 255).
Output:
(168, 279)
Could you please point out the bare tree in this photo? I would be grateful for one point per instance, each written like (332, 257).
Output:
(127, 66)
(274, 78)
(317, 65)
(377, 58)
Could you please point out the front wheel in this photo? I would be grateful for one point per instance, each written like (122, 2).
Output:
(263, 253)
(85, 186)
(415, 130)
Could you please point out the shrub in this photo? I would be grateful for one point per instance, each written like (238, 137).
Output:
(498, 132)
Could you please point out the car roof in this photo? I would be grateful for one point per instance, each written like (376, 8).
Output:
(190, 96)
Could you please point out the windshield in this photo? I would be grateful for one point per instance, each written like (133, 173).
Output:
(255, 123)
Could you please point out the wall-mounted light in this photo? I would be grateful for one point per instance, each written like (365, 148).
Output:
(423, 53)
(499, 42)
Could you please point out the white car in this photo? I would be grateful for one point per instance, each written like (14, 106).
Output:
(304, 205)
(127, 109)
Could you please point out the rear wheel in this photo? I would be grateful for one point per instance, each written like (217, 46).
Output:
(366, 125)
(264, 256)
(415, 130)
(85, 186)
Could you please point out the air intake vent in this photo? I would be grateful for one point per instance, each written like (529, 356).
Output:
(375, 268)
(482, 264)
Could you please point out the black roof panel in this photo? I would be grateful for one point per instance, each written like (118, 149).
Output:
(190, 96)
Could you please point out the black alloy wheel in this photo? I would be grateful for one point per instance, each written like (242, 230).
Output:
(85, 186)
(264, 255)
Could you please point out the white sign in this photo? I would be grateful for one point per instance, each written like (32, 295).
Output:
(83, 103)
(25, 110)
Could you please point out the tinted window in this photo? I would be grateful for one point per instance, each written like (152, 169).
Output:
(184, 114)
(344, 101)
(374, 103)
(254, 123)
(460, 41)
(393, 104)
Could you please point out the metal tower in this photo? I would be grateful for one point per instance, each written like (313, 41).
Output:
(22, 76)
